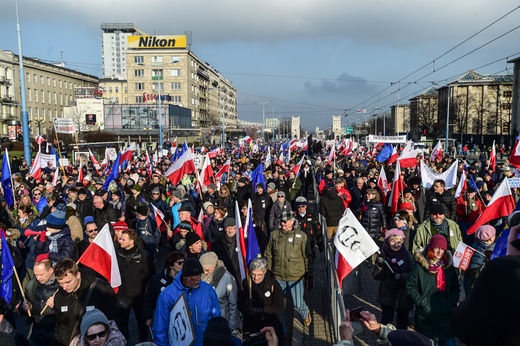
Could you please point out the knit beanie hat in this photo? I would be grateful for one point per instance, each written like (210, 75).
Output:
(191, 267)
(217, 332)
(185, 226)
(90, 318)
(120, 226)
(485, 232)
(206, 205)
(57, 218)
(191, 238)
(394, 232)
(209, 259)
(439, 241)
(229, 222)
(142, 209)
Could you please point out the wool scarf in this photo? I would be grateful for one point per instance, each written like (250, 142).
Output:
(443, 228)
(214, 277)
(437, 268)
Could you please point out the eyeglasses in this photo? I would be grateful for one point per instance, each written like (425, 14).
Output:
(437, 214)
(280, 196)
(180, 262)
(155, 193)
(396, 242)
(37, 194)
(302, 206)
(100, 335)
(437, 186)
(93, 230)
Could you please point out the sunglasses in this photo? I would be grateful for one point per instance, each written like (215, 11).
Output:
(37, 194)
(281, 196)
(93, 230)
(180, 262)
(100, 335)
(436, 214)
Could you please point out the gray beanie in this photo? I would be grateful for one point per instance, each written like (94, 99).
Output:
(90, 318)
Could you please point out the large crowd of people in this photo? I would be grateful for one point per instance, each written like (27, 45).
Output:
(175, 239)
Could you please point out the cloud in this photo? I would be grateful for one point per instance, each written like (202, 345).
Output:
(344, 84)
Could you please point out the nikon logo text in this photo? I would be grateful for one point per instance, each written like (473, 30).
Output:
(155, 42)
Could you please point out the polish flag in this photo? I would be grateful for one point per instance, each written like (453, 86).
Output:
(159, 216)
(280, 159)
(502, 204)
(462, 256)
(39, 139)
(393, 157)
(382, 182)
(80, 174)
(36, 169)
(224, 169)
(174, 144)
(463, 185)
(95, 162)
(267, 161)
(248, 139)
(408, 156)
(127, 155)
(514, 158)
(212, 154)
(342, 268)
(493, 157)
(101, 256)
(397, 189)
(241, 244)
(206, 173)
(183, 165)
(437, 152)
(56, 174)
(332, 154)
(293, 144)
(296, 168)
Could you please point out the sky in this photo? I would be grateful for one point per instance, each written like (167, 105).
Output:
(306, 58)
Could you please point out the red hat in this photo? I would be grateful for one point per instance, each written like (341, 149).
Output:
(439, 241)
(120, 226)
(407, 206)
(42, 257)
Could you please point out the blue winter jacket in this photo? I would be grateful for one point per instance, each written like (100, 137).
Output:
(202, 303)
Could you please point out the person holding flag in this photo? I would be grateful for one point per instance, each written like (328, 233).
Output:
(484, 245)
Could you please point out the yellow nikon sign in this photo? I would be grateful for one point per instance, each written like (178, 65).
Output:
(160, 42)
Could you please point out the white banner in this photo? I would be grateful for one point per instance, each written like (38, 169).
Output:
(64, 125)
(180, 328)
(48, 160)
(353, 241)
(514, 182)
(386, 139)
(462, 256)
(449, 176)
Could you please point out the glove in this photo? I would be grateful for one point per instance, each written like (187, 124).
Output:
(309, 281)
(251, 309)
(43, 236)
(380, 262)
(397, 277)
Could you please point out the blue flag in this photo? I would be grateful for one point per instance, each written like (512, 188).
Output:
(258, 176)
(7, 272)
(179, 152)
(472, 182)
(114, 172)
(53, 151)
(385, 153)
(6, 180)
(253, 249)
(500, 248)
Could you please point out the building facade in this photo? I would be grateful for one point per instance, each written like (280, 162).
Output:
(423, 112)
(336, 126)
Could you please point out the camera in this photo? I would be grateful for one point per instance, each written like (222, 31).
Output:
(254, 339)
(355, 314)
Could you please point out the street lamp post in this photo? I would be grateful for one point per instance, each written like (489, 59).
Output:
(99, 125)
(39, 121)
(263, 118)
(224, 90)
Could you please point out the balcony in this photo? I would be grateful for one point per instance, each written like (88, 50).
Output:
(9, 100)
(4, 80)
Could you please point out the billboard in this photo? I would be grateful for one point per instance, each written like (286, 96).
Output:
(157, 42)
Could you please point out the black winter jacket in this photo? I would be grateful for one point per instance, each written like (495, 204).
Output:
(373, 217)
(136, 269)
(447, 199)
(155, 286)
(331, 207)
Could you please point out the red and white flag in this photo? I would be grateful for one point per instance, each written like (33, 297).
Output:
(353, 244)
(462, 256)
(296, 168)
(382, 182)
(248, 139)
(183, 165)
(392, 157)
(514, 158)
(174, 145)
(213, 153)
(408, 156)
(462, 186)
(127, 155)
(436, 152)
(493, 157)
(101, 256)
(224, 169)
(332, 154)
(280, 159)
(36, 169)
(241, 244)
(206, 173)
(158, 215)
(502, 204)
(56, 175)
(39, 139)
(95, 162)
(397, 189)
(80, 175)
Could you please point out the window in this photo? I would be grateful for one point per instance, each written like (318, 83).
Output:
(65, 84)
(508, 93)
(175, 72)
(139, 73)
(61, 99)
(156, 59)
(41, 80)
(36, 112)
(175, 59)
(48, 81)
(55, 98)
(60, 83)
(175, 86)
(35, 79)
(36, 95)
(29, 111)
(54, 82)
(70, 85)
(176, 99)
(139, 59)
(29, 96)
(49, 97)
(139, 86)
(28, 75)
(126, 89)
(154, 86)
(117, 89)
(43, 113)
(193, 102)
(157, 73)
(42, 96)
(138, 99)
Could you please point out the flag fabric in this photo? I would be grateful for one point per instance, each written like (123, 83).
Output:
(80, 174)
(7, 271)
(114, 172)
(56, 175)
(436, 152)
(331, 154)
(280, 158)
(179, 152)
(501, 204)
(36, 169)
(39, 139)
(463, 186)
(206, 173)
(493, 157)
(267, 161)
(127, 155)
(501, 243)
(408, 156)
(241, 244)
(101, 257)
(225, 169)
(248, 139)
(514, 157)
(449, 176)
(393, 157)
(397, 189)
(213, 153)
(257, 176)
(158, 215)
(184, 165)
(353, 244)
(253, 249)
(462, 256)
(385, 153)
(6, 180)
(174, 143)
(472, 182)
(382, 182)
(296, 168)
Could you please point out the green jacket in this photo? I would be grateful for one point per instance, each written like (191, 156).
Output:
(294, 187)
(288, 255)
(434, 309)
(425, 233)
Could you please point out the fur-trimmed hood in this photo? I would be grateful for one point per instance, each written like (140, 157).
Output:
(420, 257)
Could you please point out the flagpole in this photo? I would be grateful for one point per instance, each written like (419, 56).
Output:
(21, 288)
(10, 177)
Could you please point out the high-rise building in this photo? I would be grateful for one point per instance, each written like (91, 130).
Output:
(336, 126)
(113, 48)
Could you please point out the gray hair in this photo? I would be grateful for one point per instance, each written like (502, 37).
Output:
(258, 264)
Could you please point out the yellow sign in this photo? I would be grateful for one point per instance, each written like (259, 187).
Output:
(157, 42)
